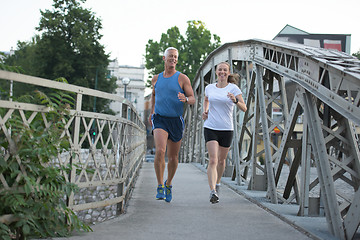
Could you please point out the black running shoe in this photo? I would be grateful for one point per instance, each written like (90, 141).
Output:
(217, 189)
(214, 198)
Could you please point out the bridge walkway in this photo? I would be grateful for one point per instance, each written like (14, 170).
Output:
(190, 215)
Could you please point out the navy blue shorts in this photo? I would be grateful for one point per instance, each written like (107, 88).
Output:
(224, 138)
(174, 126)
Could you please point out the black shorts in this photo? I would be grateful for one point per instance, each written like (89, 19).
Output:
(224, 138)
(173, 125)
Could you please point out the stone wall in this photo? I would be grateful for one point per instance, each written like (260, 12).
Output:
(94, 194)
(99, 193)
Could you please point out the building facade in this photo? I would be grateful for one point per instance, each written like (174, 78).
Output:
(135, 89)
(6, 54)
(340, 42)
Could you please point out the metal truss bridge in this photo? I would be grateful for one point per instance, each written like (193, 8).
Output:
(298, 141)
(299, 138)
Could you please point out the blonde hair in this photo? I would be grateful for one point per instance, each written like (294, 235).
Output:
(233, 77)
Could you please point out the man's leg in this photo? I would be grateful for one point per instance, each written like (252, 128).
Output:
(173, 159)
(173, 149)
(160, 138)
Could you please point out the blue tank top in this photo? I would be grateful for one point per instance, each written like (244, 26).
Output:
(167, 103)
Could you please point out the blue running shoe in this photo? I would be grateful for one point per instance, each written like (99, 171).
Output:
(160, 192)
(168, 194)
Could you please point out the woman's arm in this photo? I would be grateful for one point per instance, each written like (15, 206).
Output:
(241, 103)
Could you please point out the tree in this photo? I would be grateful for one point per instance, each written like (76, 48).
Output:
(24, 61)
(25, 57)
(193, 48)
(357, 54)
(68, 46)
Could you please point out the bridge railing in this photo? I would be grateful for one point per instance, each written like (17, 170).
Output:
(106, 163)
(311, 97)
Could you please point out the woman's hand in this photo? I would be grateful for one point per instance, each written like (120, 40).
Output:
(231, 96)
(205, 115)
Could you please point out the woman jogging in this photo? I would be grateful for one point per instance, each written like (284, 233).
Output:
(219, 102)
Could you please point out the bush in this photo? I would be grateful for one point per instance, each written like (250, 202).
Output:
(33, 189)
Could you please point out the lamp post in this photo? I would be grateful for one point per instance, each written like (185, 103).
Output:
(125, 81)
(96, 82)
(93, 128)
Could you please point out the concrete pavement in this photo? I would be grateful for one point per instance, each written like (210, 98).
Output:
(190, 215)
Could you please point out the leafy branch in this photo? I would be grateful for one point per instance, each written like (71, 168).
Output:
(33, 189)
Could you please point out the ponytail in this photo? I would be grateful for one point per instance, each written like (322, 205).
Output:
(234, 78)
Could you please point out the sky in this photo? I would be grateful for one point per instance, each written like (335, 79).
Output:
(129, 24)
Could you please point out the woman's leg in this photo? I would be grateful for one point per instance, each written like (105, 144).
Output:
(222, 154)
(212, 147)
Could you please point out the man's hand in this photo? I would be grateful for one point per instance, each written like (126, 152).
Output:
(150, 119)
(182, 97)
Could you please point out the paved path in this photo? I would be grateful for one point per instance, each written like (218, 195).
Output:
(190, 215)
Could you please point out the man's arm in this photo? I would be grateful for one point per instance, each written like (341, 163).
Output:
(152, 100)
(186, 86)
(206, 108)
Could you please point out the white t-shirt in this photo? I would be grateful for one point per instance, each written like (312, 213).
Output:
(220, 116)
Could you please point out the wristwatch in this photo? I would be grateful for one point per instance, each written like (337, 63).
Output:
(236, 101)
(187, 99)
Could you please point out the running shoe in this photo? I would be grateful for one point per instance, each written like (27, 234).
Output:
(217, 188)
(160, 192)
(214, 198)
(168, 194)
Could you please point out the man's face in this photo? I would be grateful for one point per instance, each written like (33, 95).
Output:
(171, 58)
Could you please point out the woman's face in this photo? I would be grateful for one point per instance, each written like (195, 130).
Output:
(222, 71)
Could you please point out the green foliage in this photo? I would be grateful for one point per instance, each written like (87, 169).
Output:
(194, 47)
(26, 58)
(68, 46)
(37, 189)
(357, 54)
(5, 85)
(6, 67)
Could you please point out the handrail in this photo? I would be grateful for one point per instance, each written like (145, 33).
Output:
(114, 155)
